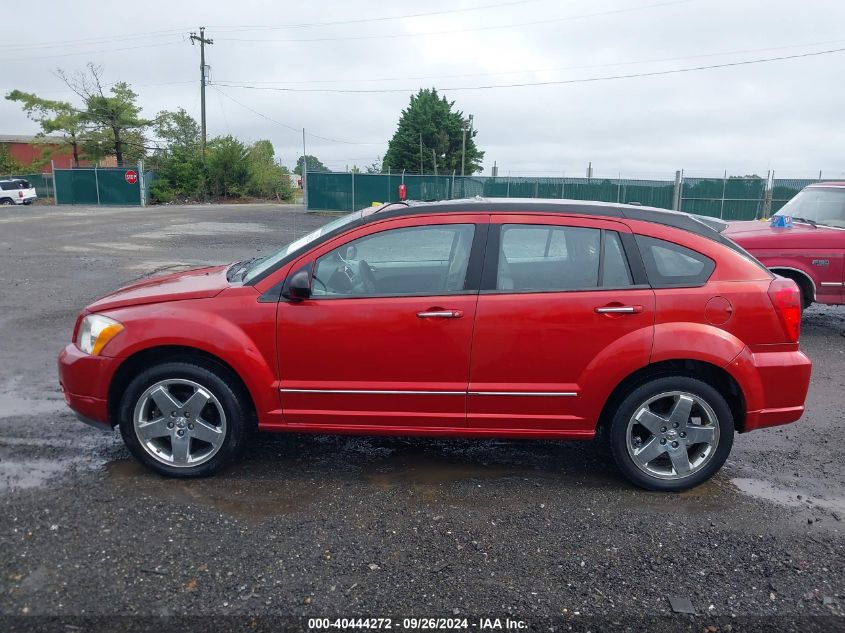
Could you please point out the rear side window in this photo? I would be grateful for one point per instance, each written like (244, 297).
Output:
(546, 258)
(671, 265)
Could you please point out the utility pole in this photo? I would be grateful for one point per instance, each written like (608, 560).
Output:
(203, 76)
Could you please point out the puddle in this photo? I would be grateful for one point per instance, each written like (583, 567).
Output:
(786, 497)
(19, 474)
(12, 404)
(203, 228)
(241, 498)
(423, 470)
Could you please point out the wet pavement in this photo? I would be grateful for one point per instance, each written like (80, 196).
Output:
(341, 526)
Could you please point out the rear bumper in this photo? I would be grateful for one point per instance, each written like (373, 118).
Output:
(85, 380)
(774, 384)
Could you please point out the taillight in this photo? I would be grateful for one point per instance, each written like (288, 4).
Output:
(786, 298)
(20, 194)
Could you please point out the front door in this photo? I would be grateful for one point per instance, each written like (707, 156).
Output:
(559, 312)
(385, 338)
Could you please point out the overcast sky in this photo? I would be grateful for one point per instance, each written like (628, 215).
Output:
(786, 115)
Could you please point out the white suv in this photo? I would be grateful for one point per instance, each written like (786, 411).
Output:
(17, 191)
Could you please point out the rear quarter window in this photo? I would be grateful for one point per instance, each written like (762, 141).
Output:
(8, 186)
(671, 265)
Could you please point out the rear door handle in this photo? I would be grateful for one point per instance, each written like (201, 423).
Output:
(440, 314)
(619, 309)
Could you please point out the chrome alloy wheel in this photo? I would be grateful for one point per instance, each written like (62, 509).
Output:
(672, 435)
(179, 423)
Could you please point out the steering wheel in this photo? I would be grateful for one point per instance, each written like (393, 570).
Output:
(368, 279)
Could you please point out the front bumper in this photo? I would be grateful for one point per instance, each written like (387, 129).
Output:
(775, 385)
(85, 380)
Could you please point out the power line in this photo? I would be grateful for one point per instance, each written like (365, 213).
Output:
(285, 125)
(550, 83)
(106, 39)
(94, 52)
(470, 30)
(234, 29)
(539, 70)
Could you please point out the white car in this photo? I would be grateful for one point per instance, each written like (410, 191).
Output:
(17, 191)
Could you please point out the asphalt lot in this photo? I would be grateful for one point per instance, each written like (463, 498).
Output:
(341, 526)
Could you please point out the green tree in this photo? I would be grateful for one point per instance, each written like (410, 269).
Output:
(429, 119)
(8, 165)
(312, 162)
(227, 166)
(112, 116)
(267, 179)
(179, 167)
(54, 117)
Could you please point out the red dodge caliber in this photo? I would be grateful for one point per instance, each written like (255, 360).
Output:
(479, 318)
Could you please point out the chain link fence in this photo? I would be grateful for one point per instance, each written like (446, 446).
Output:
(726, 197)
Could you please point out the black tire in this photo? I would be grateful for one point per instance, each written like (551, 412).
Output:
(6, 201)
(213, 379)
(639, 395)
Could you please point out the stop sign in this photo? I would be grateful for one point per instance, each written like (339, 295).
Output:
(131, 177)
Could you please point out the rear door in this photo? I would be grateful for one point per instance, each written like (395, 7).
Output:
(559, 305)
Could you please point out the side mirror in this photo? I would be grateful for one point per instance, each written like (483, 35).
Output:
(298, 287)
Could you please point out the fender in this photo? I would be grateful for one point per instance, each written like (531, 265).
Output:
(610, 367)
(203, 325)
(695, 341)
(795, 265)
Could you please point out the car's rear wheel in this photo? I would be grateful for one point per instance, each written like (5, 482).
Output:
(671, 433)
(182, 419)
(6, 201)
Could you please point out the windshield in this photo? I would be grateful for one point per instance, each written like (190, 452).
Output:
(266, 263)
(819, 205)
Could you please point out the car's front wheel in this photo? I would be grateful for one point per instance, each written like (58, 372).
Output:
(671, 433)
(182, 419)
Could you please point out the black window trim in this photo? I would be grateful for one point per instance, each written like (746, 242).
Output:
(471, 282)
(489, 275)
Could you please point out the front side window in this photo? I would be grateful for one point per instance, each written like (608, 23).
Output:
(670, 264)
(423, 260)
(543, 258)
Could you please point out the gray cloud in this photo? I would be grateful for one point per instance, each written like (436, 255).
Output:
(781, 115)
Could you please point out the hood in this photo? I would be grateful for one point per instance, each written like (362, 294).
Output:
(200, 283)
(756, 234)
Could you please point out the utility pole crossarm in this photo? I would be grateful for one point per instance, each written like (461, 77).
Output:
(203, 41)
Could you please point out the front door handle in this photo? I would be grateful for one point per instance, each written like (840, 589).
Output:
(619, 309)
(440, 314)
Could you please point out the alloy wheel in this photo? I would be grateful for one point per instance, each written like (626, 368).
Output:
(672, 435)
(179, 423)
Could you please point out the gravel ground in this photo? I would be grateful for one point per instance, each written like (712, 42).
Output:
(545, 533)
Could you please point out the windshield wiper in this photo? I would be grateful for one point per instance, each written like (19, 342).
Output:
(238, 269)
(812, 223)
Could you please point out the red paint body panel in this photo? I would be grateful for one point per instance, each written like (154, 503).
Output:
(414, 376)
(818, 253)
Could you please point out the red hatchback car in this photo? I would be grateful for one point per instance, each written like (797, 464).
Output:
(804, 241)
(479, 318)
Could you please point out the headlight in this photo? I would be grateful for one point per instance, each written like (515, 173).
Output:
(95, 331)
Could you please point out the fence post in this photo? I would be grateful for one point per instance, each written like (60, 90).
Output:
(619, 189)
(452, 193)
(97, 184)
(353, 192)
(142, 184)
(55, 190)
(724, 187)
(676, 193)
(508, 194)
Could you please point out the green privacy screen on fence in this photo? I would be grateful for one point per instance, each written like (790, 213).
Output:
(730, 198)
(328, 191)
(106, 186)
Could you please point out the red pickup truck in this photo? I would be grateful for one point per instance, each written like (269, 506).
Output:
(804, 241)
